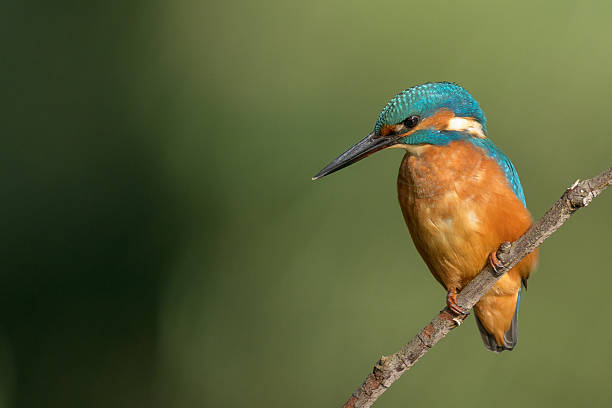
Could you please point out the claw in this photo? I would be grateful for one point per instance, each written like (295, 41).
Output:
(495, 262)
(451, 302)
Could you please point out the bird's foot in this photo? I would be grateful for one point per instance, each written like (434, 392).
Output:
(495, 263)
(451, 302)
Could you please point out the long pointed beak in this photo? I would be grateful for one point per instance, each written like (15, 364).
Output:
(362, 149)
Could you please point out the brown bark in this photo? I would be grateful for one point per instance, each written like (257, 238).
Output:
(390, 368)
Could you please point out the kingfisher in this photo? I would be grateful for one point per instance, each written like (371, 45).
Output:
(460, 196)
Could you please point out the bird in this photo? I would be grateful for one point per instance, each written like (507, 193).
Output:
(460, 196)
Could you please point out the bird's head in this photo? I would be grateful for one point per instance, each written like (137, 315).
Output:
(432, 113)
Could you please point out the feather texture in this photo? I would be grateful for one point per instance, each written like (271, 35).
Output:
(461, 200)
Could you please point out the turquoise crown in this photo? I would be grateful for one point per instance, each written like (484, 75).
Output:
(424, 100)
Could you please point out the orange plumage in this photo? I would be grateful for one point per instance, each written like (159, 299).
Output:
(459, 208)
(460, 195)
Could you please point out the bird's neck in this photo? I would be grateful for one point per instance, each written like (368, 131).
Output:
(430, 170)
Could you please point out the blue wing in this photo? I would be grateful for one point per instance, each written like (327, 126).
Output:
(440, 138)
(506, 165)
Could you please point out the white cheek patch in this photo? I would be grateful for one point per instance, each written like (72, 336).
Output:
(466, 125)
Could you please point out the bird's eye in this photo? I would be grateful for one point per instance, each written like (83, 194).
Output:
(411, 121)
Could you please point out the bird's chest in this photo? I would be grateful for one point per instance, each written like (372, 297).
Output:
(443, 195)
(439, 177)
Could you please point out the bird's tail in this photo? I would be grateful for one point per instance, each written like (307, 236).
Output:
(510, 336)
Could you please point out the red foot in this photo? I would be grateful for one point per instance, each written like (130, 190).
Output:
(451, 302)
(495, 262)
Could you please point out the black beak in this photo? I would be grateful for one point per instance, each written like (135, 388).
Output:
(368, 145)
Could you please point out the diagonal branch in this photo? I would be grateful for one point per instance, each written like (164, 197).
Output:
(389, 368)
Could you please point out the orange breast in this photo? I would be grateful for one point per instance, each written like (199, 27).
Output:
(459, 208)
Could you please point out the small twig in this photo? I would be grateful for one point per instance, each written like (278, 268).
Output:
(389, 368)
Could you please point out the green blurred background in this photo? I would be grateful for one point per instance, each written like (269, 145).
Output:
(163, 245)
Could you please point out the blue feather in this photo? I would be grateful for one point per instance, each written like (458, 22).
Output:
(427, 99)
(424, 100)
(444, 137)
(506, 165)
